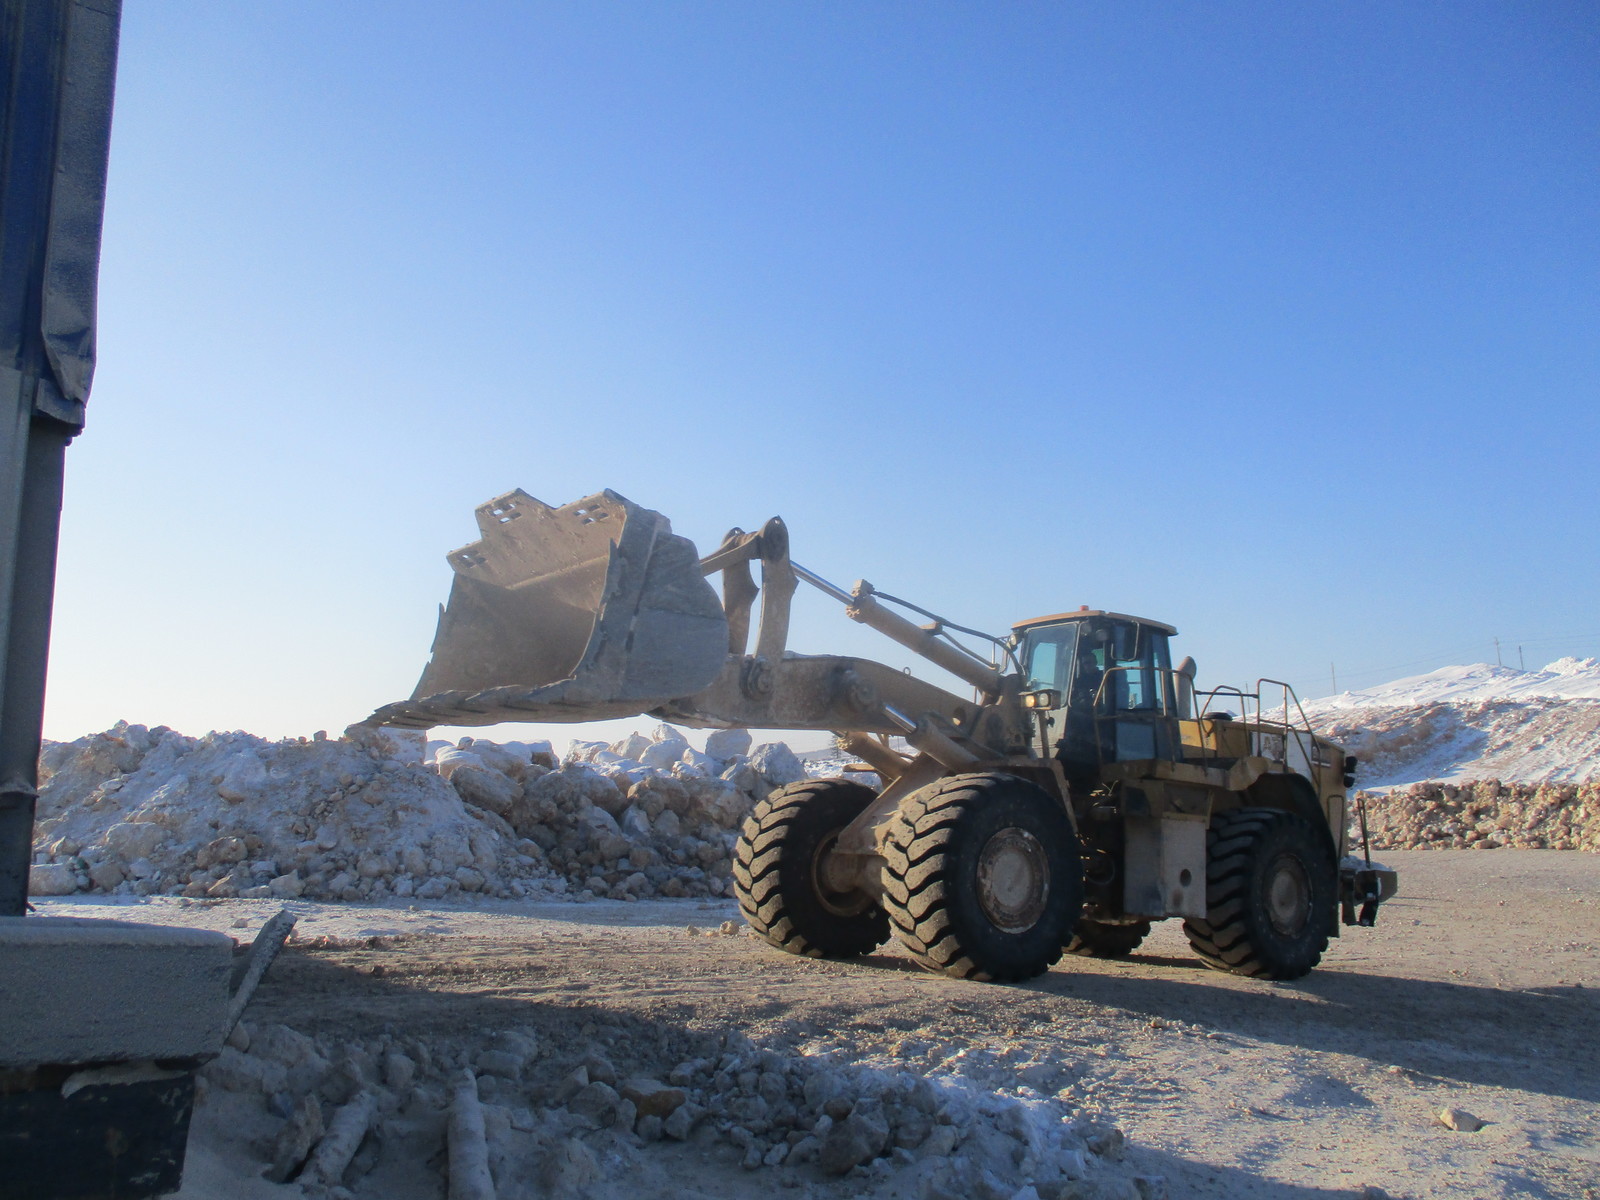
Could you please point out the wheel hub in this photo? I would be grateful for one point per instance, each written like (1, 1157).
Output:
(835, 879)
(1013, 880)
(1288, 896)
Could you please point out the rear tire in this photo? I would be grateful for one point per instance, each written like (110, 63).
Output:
(778, 879)
(1092, 939)
(1270, 893)
(983, 878)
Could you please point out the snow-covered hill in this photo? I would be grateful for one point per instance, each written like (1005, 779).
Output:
(1569, 678)
(1472, 722)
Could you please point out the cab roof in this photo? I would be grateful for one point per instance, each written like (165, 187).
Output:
(1080, 614)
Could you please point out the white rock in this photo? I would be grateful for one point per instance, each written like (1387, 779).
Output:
(136, 839)
(106, 875)
(692, 760)
(581, 751)
(777, 764)
(600, 819)
(724, 744)
(448, 762)
(52, 879)
(667, 748)
(452, 849)
(486, 788)
(630, 747)
(499, 758)
(595, 1102)
(681, 1122)
(245, 778)
(570, 1169)
(287, 1047)
(236, 1072)
(857, 1139)
(399, 1071)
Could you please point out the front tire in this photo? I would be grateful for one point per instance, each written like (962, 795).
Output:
(778, 877)
(1270, 892)
(983, 878)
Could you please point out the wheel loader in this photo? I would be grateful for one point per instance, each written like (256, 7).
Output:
(1082, 790)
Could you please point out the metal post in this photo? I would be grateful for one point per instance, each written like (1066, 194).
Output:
(57, 69)
(38, 506)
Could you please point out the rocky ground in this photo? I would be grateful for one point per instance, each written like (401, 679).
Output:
(1474, 997)
(453, 1006)
(1484, 815)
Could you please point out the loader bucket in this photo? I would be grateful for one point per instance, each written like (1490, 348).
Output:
(580, 613)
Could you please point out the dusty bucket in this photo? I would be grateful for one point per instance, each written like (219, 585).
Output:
(592, 610)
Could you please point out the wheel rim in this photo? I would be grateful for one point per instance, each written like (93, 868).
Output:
(1288, 896)
(827, 884)
(1013, 880)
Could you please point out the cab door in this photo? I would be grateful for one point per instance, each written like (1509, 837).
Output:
(1135, 707)
(1063, 659)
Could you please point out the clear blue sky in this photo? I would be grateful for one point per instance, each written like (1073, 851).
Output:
(1276, 322)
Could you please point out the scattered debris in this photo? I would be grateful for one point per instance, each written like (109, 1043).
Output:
(547, 1116)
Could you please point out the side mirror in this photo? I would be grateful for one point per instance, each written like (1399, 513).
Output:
(1043, 698)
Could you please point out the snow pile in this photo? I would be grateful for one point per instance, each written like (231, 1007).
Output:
(143, 811)
(1485, 815)
(591, 1115)
(1476, 722)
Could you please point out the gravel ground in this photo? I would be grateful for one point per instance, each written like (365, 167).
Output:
(1477, 991)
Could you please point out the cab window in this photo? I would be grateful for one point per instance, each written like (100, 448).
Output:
(1144, 658)
(1049, 653)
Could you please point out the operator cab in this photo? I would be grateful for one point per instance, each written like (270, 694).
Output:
(1105, 683)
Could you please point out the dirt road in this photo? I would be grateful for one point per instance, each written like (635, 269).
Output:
(1479, 990)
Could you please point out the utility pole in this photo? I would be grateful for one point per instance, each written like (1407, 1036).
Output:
(1497, 661)
(1334, 675)
(1522, 664)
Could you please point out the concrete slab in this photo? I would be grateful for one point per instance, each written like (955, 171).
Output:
(74, 990)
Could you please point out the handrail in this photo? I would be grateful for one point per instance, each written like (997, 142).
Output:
(1252, 711)
(1300, 732)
